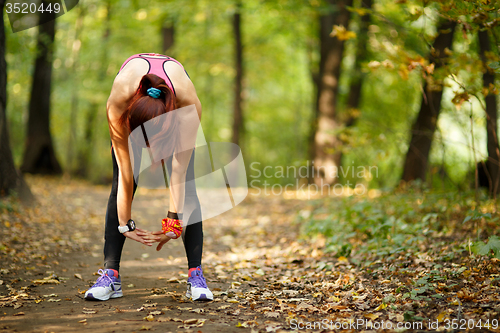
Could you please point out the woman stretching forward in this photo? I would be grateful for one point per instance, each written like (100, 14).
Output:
(147, 86)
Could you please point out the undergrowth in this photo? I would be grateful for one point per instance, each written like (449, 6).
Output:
(397, 221)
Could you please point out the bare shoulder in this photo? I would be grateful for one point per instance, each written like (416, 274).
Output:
(184, 87)
(125, 86)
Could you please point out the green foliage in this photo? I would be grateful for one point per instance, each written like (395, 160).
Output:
(394, 222)
(491, 247)
(281, 53)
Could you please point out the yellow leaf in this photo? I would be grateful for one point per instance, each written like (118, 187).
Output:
(372, 316)
(441, 316)
(381, 307)
(7, 224)
(343, 259)
(342, 33)
(149, 318)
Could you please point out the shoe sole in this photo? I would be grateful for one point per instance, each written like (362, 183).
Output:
(115, 294)
(201, 298)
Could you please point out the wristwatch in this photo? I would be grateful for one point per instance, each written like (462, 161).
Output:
(129, 227)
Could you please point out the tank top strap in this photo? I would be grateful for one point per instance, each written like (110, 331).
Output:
(156, 62)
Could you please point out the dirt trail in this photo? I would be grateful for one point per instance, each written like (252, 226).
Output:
(263, 277)
(238, 253)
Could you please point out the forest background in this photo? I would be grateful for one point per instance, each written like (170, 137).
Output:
(404, 91)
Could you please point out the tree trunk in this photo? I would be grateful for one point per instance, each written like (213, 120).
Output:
(358, 76)
(493, 163)
(85, 152)
(422, 132)
(167, 31)
(39, 156)
(71, 152)
(10, 179)
(238, 127)
(326, 143)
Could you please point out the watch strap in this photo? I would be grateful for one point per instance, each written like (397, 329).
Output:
(127, 227)
(123, 229)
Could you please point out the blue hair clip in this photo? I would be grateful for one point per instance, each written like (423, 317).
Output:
(154, 92)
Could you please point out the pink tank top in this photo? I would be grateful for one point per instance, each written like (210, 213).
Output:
(156, 62)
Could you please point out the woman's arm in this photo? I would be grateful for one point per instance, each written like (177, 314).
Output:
(121, 93)
(186, 97)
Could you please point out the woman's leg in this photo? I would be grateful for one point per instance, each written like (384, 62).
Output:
(193, 226)
(193, 234)
(113, 239)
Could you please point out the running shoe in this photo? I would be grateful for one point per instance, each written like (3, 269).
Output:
(108, 285)
(197, 289)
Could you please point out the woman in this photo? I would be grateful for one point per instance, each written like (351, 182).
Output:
(148, 86)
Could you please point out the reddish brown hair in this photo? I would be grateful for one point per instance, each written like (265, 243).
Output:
(144, 107)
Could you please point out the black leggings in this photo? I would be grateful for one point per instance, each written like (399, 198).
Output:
(193, 231)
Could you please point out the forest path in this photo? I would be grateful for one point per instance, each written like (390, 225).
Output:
(264, 278)
(243, 250)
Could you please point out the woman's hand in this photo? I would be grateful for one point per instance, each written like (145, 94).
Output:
(164, 238)
(142, 236)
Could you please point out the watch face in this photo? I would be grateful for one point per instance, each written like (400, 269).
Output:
(131, 224)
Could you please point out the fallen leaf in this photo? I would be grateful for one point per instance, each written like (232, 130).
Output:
(372, 316)
(272, 314)
(46, 281)
(381, 307)
(149, 318)
(78, 276)
(155, 313)
(183, 309)
(198, 310)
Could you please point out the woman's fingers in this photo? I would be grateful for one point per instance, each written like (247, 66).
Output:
(133, 235)
(148, 235)
(164, 240)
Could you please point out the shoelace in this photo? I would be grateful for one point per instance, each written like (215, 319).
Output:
(104, 280)
(197, 280)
